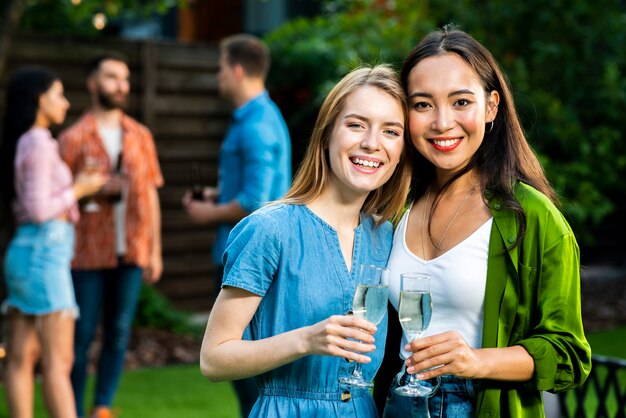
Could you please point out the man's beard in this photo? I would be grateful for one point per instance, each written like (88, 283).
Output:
(109, 102)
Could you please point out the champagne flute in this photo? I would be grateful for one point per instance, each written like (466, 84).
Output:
(414, 311)
(369, 303)
(92, 165)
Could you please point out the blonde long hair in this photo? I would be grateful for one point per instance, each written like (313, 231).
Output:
(386, 202)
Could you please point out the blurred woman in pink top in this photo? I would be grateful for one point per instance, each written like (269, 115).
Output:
(39, 187)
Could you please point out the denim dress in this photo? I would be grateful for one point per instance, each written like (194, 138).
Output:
(292, 258)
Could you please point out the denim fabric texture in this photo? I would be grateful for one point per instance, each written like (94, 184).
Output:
(452, 398)
(37, 269)
(114, 294)
(254, 161)
(292, 258)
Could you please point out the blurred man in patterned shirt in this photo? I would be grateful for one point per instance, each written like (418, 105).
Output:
(118, 238)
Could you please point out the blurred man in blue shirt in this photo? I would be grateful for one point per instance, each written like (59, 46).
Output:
(255, 158)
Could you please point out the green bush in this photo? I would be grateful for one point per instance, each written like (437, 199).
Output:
(565, 60)
(155, 311)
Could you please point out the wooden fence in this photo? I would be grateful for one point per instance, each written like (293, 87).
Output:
(174, 92)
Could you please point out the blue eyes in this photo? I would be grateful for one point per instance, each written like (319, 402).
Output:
(391, 132)
(361, 126)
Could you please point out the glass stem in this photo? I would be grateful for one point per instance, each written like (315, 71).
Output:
(357, 370)
(413, 380)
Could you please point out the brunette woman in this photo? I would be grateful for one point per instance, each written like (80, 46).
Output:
(38, 184)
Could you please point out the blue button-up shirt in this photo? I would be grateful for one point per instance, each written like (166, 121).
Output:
(254, 162)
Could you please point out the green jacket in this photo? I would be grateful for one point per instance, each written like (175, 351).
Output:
(532, 299)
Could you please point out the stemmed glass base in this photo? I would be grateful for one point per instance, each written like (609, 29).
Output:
(413, 390)
(356, 380)
(91, 206)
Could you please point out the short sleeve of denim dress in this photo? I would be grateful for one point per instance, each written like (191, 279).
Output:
(292, 258)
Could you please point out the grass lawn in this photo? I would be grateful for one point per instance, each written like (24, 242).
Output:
(181, 391)
(609, 343)
(167, 392)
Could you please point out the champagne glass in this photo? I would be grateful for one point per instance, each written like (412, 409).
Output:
(369, 303)
(92, 165)
(414, 312)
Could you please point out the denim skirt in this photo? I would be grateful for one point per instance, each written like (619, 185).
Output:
(37, 269)
(452, 397)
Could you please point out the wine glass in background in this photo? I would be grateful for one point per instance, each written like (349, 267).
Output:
(414, 311)
(369, 303)
(92, 165)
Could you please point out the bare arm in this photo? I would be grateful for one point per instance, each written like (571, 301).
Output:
(205, 212)
(225, 356)
(450, 354)
(155, 268)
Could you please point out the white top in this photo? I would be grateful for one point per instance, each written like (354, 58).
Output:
(112, 140)
(457, 282)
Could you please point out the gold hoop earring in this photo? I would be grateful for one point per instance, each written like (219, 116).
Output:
(490, 128)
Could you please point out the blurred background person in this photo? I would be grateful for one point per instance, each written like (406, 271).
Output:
(118, 239)
(254, 161)
(38, 184)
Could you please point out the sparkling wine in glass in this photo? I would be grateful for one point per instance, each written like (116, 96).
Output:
(369, 303)
(92, 165)
(414, 311)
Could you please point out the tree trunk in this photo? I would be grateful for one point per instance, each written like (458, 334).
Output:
(13, 11)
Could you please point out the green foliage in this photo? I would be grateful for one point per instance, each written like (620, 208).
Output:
(62, 16)
(565, 61)
(155, 311)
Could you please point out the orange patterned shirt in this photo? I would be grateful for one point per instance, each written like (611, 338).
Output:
(95, 231)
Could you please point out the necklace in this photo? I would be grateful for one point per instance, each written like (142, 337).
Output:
(456, 213)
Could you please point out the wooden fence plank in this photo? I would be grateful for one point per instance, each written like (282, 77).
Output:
(174, 92)
(149, 77)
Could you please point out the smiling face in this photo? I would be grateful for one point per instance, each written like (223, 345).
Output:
(366, 142)
(53, 105)
(448, 110)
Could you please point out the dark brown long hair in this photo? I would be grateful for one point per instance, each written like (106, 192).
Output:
(504, 157)
(21, 106)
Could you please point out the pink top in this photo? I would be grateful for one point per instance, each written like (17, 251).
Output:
(43, 182)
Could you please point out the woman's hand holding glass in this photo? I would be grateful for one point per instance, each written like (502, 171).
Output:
(369, 303)
(93, 166)
(341, 336)
(414, 311)
(88, 183)
(445, 353)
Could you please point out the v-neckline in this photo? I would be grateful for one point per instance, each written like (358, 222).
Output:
(432, 260)
(331, 229)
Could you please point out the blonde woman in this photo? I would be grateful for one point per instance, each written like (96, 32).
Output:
(291, 267)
